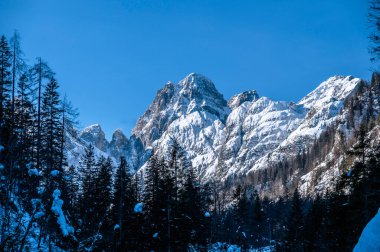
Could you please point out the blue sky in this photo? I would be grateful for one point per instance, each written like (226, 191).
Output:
(111, 56)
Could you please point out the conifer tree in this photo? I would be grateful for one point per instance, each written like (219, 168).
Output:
(256, 229)
(38, 73)
(18, 65)
(152, 191)
(241, 215)
(87, 207)
(51, 151)
(315, 221)
(123, 205)
(190, 209)
(168, 195)
(51, 158)
(101, 221)
(103, 187)
(294, 232)
(72, 182)
(155, 201)
(5, 76)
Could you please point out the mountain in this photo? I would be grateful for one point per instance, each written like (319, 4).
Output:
(239, 99)
(317, 111)
(177, 102)
(119, 146)
(243, 138)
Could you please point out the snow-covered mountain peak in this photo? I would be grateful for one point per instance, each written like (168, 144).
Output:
(92, 132)
(94, 135)
(118, 136)
(198, 93)
(333, 89)
(315, 112)
(195, 80)
(239, 99)
(194, 93)
(93, 129)
(200, 82)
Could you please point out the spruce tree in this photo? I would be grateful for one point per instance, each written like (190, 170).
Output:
(51, 129)
(39, 73)
(18, 66)
(5, 76)
(314, 225)
(124, 219)
(87, 207)
(51, 158)
(257, 220)
(72, 181)
(102, 199)
(241, 215)
(103, 187)
(294, 232)
(191, 220)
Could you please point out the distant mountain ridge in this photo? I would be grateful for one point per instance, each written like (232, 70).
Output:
(224, 139)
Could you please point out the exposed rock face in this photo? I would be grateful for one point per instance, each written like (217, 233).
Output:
(94, 134)
(195, 93)
(255, 129)
(119, 144)
(239, 99)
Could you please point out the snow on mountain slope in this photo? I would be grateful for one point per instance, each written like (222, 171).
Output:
(195, 112)
(186, 110)
(200, 134)
(94, 135)
(120, 146)
(195, 93)
(239, 99)
(255, 129)
(322, 107)
(225, 139)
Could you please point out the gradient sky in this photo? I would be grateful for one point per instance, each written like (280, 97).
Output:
(111, 56)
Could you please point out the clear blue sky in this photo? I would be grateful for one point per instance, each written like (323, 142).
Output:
(111, 56)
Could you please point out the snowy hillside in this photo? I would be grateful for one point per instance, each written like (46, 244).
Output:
(321, 108)
(132, 148)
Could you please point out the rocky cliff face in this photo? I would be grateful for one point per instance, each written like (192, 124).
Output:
(95, 136)
(320, 109)
(119, 146)
(224, 139)
(195, 93)
(239, 99)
